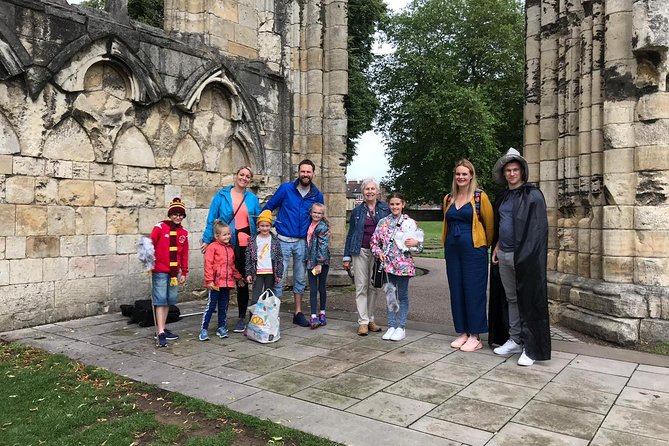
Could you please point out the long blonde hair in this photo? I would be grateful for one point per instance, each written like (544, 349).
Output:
(472, 185)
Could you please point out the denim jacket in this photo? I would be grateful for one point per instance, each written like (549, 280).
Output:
(356, 227)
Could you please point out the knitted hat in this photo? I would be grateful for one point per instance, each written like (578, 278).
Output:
(265, 216)
(177, 207)
(510, 155)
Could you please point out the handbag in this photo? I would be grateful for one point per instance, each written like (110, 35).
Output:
(379, 275)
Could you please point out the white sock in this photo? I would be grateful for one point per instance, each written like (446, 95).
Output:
(313, 315)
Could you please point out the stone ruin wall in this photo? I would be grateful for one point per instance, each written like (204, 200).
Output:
(597, 140)
(104, 120)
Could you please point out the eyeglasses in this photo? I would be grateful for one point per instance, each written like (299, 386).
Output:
(178, 216)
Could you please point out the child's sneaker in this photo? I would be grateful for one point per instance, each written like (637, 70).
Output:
(204, 335)
(322, 320)
(313, 322)
(162, 340)
(222, 332)
(240, 326)
(171, 336)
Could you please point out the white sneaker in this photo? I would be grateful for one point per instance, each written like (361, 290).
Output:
(508, 348)
(389, 334)
(525, 360)
(398, 335)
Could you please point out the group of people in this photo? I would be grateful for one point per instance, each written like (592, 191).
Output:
(240, 250)
(515, 228)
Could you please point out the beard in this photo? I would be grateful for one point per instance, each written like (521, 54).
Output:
(305, 181)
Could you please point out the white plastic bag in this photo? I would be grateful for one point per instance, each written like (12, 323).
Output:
(264, 324)
(392, 301)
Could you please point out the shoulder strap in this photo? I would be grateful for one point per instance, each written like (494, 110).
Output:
(477, 202)
(238, 207)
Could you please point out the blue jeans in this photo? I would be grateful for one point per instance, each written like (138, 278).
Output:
(402, 285)
(297, 251)
(318, 285)
(220, 298)
(161, 292)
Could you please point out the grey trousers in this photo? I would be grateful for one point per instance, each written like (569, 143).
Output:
(507, 273)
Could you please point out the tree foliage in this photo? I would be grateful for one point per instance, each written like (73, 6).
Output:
(452, 89)
(150, 12)
(361, 103)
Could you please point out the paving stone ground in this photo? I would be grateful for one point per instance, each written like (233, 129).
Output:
(335, 384)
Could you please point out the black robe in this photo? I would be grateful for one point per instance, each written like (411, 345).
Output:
(530, 228)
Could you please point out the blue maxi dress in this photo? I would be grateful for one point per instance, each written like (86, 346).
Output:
(467, 271)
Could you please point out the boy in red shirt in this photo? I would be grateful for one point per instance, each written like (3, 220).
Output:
(170, 241)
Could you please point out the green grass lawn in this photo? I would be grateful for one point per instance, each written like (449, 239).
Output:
(50, 400)
(432, 246)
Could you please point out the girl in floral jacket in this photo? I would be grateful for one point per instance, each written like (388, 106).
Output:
(398, 264)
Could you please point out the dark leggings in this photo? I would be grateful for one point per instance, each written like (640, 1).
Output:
(317, 284)
(242, 292)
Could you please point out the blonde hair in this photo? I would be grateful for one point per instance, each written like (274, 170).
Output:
(322, 206)
(242, 168)
(219, 226)
(473, 184)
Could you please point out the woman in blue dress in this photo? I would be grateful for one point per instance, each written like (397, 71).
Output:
(466, 234)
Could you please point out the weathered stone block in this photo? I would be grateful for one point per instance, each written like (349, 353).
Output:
(149, 217)
(80, 170)
(105, 193)
(619, 136)
(618, 269)
(625, 304)
(615, 217)
(653, 106)
(90, 220)
(58, 169)
(43, 246)
(26, 297)
(29, 166)
(651, 217)
(622, 187)
(46, 191)
(76, 192)
(74, 245)
(4, 272)
(101, 244)
(55, 269)
(651, 158)
(651, 271)
(111, 265)
(652, 243)
(101, 172)
(15, 247)
(618, 242)
(6, 164)
(80, 267)
(159, 176)
(25, 271)
(8, 216)
(60, 220)
(619, 330)
(31, 220)
(654, 330)
(127, 244)
(20, 190)
(81, 291)
(130, 195)
(122, 221)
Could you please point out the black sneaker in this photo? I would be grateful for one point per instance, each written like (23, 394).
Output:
(300, 320)
(162, 340)
(240, 326)
(169, 335)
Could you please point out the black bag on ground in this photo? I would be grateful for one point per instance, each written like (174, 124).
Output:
(141, 313)
(379, 276)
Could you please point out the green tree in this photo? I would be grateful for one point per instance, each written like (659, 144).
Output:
(452, 89)
(150, 12)
(361, 103)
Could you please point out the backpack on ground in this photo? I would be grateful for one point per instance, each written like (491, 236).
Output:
(141, 313)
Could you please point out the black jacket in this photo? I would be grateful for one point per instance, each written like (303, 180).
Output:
(530, 227)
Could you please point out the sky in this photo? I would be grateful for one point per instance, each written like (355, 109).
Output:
(370, 159)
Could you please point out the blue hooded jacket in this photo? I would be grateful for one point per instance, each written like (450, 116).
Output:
(293, 218)
(221, 209)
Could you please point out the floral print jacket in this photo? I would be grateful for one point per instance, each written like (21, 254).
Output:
(397, 262)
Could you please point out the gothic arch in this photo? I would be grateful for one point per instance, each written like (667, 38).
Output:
(143, 85)
(243, 114)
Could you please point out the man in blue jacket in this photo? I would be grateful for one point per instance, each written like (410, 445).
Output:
(294, 199)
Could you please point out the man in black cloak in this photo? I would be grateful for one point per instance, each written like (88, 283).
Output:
(518, 310)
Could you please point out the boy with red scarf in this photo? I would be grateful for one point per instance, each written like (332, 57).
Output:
(170, 240)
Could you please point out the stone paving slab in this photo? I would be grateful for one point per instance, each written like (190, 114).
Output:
(474, 413)
(512, 374)
(341, 426)
(576, 397)
(560, 419)
(518, 434)
(651, 401)
(423, 389)
(592, 380)
(640, 422)
(385, 369)
(325, 398)
(650, 381)
(392, 409)
(285, 382)
(607, 437)
(451, 373)
(504, 394)
(602, 365)
(452, 431)
(353, 385)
